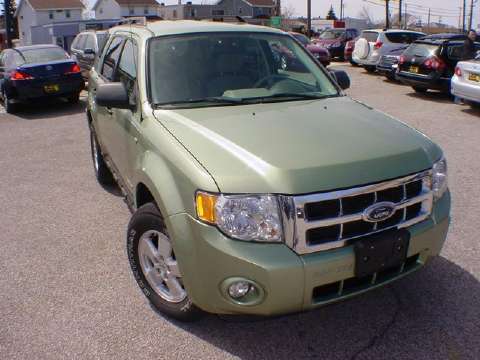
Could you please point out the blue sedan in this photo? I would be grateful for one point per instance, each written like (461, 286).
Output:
(36, 72)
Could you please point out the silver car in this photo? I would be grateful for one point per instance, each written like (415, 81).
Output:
(373, 44)
(466, 81)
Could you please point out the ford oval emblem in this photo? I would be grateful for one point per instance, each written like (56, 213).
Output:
(379, 212)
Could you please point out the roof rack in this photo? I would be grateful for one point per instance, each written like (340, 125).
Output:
(134, 20)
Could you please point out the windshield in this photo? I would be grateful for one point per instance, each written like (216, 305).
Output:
(332, 34)
(42, 55)
(233, 68)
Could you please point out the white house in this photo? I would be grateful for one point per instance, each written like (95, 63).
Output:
(39, 12)
(116, 9)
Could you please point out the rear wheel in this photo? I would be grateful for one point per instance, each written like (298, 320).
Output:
(419, 90)
(155, 266)
(10, 108)
(370, 69)
(353, 63)
(102, 172)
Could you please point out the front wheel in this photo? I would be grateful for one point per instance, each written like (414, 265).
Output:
(155, 266)
(370, 69)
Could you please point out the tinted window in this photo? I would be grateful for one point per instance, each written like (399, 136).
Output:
(101, 40)
(111, 57)
(79, 42)
(403, 38)
(42, 55)
(421, 50)
(127, 69)
(370, 36)
(302, 38)
(332, 34)
(455, 51)
(89, 42)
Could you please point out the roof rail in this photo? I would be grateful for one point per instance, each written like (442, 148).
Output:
(134, 20)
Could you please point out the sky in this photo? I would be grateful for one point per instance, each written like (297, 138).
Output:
(447, 10)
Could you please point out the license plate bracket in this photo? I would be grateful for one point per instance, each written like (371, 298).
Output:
(381, 251)
(414, 69)
(474, 77)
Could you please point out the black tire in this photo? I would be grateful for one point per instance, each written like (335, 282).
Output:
(370, 69)
(10, 108)
(353, 63)
(145, 220)
(74, 98)
(419, 90)
(102, 172)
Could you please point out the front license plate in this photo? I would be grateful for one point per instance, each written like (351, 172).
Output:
(474, 77)
(381, 251)
(51, 88)
(414, 69)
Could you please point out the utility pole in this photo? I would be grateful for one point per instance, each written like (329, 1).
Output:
(387, 14)
(309, 18)
(471, 16)
(341, 9)
(8, 22)
(400, 14)
(464, 15)
(429, 17)
(406, 17)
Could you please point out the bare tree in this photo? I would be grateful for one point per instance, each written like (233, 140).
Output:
(365, 14)
(288, 11)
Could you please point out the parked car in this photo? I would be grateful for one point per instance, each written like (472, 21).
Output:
(255, 189)
(348, 53)
(388, 64)
(335, 40)
(84, 48)
(38, 71)
(322, 54)
(430, 63)
(373, 44)
(466, 81)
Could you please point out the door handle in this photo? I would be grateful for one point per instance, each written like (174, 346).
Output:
(109, 111)
(135, 139)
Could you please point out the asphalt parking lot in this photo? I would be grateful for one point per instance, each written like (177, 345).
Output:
(66, 290)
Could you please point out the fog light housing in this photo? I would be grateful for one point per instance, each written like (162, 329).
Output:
(241, 291)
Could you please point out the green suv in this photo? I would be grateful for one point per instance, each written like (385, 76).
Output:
(256, 187)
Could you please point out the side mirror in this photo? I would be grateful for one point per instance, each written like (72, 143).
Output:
(342, 78)
(89, 51)
(113, 95)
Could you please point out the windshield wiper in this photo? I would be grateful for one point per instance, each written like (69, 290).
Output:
(217, 100)
(292, 95)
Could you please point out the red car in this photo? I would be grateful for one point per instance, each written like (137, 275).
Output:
(322, 54)
(349, 47)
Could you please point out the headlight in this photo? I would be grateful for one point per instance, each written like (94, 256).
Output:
(439, 178)
(243, 217)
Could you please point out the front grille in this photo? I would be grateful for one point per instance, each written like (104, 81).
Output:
(353, 285)
(331, 220)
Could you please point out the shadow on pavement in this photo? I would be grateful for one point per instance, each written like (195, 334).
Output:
(49, 108)
(433, 96)
(432, 314)
(472, 110)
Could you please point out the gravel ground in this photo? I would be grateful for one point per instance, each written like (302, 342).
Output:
(66, 290)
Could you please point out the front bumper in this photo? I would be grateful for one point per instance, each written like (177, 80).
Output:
(290, 282)
(466, 91)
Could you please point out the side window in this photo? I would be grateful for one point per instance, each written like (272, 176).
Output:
(89, 42)
(13, 59)
(80, 43)
(111, 58)
(455, 52)
(127, 69)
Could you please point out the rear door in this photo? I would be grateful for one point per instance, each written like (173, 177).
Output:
(415, 56)
(103, 116)
(398, 39)
(365, 45)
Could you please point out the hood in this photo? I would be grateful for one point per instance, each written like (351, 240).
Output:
(299, 147)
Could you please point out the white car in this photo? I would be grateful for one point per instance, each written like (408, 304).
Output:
(373, 44)
(466, 81)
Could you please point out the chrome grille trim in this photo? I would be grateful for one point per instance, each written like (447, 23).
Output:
(301, 225)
